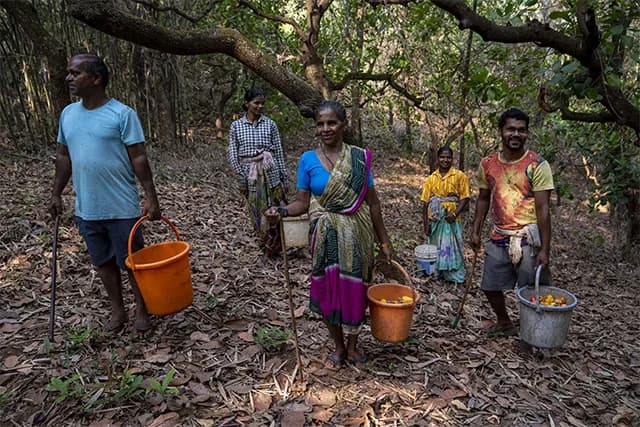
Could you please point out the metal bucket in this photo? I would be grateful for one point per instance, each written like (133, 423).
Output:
(540, 325)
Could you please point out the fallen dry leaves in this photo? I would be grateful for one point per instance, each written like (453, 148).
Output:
(440, 376)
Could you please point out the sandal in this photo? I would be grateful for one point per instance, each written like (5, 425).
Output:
(334, 362)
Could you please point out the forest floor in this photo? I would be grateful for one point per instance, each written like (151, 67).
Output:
(208, 365)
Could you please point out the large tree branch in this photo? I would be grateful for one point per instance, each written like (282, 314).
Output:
(108, 18)
(531, 32)
(415, 100)
(567, 114)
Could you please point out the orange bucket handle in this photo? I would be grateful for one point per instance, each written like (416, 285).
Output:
(135, 228)
(405, 275)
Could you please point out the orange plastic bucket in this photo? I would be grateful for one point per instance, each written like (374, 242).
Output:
(391, 322)
(162, 272)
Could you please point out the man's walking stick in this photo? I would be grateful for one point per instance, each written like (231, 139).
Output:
(466, 289)
(54, 273)
(290, 292)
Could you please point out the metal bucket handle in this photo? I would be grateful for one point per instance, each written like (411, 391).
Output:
(537, 284)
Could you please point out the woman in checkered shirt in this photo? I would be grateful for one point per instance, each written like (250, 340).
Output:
(256, 154)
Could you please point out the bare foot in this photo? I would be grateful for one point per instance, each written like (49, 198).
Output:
(142, 322)
(356, 358)
(116, 323)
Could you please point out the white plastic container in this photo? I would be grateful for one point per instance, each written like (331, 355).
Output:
(426, 257)
(296, 231)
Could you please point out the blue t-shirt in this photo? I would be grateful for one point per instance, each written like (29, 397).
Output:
(103, 177)
(312, 176)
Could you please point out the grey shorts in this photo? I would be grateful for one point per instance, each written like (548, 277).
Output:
(500, 274)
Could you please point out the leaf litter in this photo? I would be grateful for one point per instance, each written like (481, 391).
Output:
(439, 376)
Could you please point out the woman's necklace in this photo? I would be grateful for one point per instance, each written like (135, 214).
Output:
(324, 153)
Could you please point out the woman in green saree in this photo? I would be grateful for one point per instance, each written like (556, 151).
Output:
(335, 186)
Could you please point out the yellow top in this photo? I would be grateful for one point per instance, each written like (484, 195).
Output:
(453, 183)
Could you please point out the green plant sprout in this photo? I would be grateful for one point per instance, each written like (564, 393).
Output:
(71, 387)
(5, 396)
(163, 387)
(81, 335)
(212, 302)
(272, 338)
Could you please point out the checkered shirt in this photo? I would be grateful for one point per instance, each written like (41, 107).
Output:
(250, 139)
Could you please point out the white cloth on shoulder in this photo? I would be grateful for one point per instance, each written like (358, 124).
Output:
(530, 231)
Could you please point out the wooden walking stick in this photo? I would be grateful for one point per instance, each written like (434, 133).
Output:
(466, 289)
(54, 273)
(290, 292)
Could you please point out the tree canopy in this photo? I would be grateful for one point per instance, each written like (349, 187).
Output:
(414, 66)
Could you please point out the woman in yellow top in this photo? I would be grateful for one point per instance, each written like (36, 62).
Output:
(445, 194)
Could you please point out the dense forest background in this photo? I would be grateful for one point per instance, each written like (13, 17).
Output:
(414, 73)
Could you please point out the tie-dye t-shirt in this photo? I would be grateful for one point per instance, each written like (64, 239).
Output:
(512, 185)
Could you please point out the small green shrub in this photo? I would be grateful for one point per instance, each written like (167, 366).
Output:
(272, 338)
(163, 387)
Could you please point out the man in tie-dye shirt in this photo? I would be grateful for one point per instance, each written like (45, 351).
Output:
(516, 183)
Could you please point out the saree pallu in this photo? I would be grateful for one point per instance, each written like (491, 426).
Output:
(447, 236)
(342, 242)
(261, 196)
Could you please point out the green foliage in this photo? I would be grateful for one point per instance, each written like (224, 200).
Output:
(163, 386)
(129, 387)
(81, 335)
(71, 387)
(272, 338)
(123, 387)
(212, 302)
(617, 167)
(5, 396)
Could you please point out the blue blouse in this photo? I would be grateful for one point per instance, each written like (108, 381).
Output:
(312, 176)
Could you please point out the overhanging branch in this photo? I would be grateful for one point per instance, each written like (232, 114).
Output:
(584, 49)
(110, 19)
(388, 78)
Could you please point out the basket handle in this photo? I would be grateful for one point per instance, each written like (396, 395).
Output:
(135, 228)
(405, 275)
(537, 287)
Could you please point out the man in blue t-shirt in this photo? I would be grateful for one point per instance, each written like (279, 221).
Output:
(101, 141)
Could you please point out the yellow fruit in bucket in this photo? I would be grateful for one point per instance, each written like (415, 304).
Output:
(406, 299)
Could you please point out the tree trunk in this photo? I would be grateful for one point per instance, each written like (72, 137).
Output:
(633, 232)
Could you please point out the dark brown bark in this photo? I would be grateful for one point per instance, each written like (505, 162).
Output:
(634, 217)
(108, 18)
